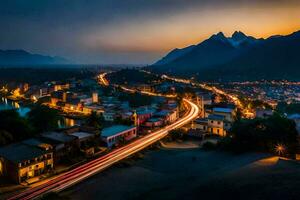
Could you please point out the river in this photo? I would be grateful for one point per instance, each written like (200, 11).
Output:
(6, 104)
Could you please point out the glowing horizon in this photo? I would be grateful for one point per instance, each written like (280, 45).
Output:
(136, 32)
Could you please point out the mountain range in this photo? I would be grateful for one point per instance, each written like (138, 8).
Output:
(239, 57)
(21, 57)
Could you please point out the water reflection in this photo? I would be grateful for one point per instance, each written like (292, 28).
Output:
(6, 104)
(68, 122)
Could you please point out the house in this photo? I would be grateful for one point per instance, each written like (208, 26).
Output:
(169, 116)
(63, 144)
(142, 115)
(200, 124)
(38, 143)
(83, 137)
(56, 97)
(117, 134)
(154, 122)
(216, 124)
(204, 98)
(109, 115)
(88, 109)
(58, 87)
(20, 161)
(213, 124)
(262, 113)
(73, 104)
(228, 113)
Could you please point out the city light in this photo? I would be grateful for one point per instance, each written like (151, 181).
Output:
(280, 149)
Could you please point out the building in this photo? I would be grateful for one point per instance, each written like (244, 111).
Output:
(109, 115)
(169, 116)
(213, 124)
(216, 125)
(83, 137)
(95, 97)
(20, 161)
(56, 97)
(154, 122)
(142, 115)
(262, 113)
(88, 109)
(200, 124)
(59, 87)
(63, 144)
(117, 134)
(228, 113)
(73, 105)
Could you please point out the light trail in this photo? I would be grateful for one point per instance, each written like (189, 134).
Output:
(103, 80)
(215, 90)
(82, 172)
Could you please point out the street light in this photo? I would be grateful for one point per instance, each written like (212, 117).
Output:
(280, 149)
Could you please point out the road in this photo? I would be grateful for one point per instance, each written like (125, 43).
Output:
(80, 173)
(234, 98)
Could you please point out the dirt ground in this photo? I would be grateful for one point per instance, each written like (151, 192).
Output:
(192, 173)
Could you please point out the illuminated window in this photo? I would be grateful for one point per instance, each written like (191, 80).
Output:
(1, 168)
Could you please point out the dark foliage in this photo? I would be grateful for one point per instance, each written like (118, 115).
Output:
(292, 108)
(43, 118)
(262, 135)
(95, 120)
(127, 122)
(208, 146)
(136, 100)
(13, 127)
(132, 76)
(40, 75)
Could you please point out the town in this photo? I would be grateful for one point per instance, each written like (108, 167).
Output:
(107, 114)
(130, 100)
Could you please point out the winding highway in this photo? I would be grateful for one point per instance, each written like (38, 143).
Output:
(84, 171)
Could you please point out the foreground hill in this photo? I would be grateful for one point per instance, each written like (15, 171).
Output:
(239, 57)
(21, 57)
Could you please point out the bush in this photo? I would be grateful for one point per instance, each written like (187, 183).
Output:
(177, 134)
(262, 135)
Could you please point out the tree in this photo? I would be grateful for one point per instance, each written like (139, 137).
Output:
(238, 115)
(120, 120)
(177, 134)
(5, 137)
(136, 100)
(94, 120)
(43, 118)
(263, 135)
(13, 127)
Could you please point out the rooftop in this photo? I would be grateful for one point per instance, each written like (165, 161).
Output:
(113, 130)
(154, 119)
(201, 120)
(19, 152)
(216, 117)
(37, 143)
(143, 111)
(60, 137)
(162, 113)
(223, 110)
(82, 135)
